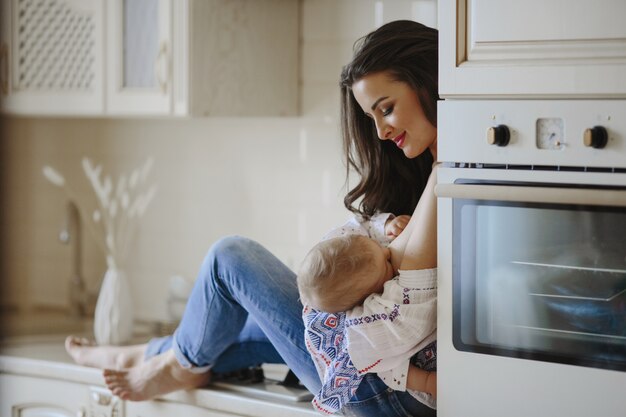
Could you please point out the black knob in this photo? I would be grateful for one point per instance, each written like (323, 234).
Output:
(498, 135)
(596, 137)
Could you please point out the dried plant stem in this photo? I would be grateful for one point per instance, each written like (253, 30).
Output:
(116, 207)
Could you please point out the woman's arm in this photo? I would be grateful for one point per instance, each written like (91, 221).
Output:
(421, 380)
(416, 247)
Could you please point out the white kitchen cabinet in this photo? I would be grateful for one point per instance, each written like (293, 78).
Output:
(203, 57)
(162, 57)
(236, 57)
(532, 49)
(22, 396)
(31, 396)
(51, 56)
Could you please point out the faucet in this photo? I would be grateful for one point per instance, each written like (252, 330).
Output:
(71, 234)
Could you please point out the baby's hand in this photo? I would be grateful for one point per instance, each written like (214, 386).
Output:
(395, 226)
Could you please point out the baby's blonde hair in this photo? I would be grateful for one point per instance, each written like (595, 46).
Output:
(328, 278)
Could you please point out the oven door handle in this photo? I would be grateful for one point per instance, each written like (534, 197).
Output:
(580, 196)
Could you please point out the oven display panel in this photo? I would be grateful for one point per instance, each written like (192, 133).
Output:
(540, 281)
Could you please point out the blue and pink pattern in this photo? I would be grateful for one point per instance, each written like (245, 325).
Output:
(329, 349)
(325, 342)
(356, 321)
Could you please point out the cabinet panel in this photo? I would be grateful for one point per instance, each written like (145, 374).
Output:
(140, 39)
(36, 410)
(242, 57)
(162, 409)
(139, 57)
(51, 56)
(22, 396)
(535, 48)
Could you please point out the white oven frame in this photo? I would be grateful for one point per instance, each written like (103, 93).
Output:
(474, 384)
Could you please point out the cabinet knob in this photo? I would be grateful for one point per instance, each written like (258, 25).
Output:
(161, 67)
(498, 135)
(101, 399)
(596, 137)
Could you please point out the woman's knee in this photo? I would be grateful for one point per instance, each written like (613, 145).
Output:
(230, 247)
(237, 259)
(231, 255)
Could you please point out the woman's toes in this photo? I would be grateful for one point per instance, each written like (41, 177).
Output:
(70, 342)
(112, 377)
(85, 342)
(75, 341)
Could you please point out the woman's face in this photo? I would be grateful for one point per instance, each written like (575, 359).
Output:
(397, 112)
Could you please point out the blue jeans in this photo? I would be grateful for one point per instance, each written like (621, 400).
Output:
(244, 310)
(374, 398)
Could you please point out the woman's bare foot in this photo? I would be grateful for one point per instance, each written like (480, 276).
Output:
(158, 375)
(87, 353)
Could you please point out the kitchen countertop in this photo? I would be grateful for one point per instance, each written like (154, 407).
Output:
(44, 356)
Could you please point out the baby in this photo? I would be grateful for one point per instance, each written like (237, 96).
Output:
(389, 296)
(340, 273)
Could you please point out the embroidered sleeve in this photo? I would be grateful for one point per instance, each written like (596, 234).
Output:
(389, 328)
(396, 378)
(327, 346)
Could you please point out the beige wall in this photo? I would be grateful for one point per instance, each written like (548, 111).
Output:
(279, 181)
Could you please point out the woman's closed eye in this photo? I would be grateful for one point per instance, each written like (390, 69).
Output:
(387, 111)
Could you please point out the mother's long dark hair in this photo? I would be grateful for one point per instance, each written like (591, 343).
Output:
(389, 181)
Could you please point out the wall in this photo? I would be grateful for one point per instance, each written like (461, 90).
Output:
(278, 181)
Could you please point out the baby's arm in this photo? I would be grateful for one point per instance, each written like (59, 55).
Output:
(375, 227)
(416, 247)
(421, 380)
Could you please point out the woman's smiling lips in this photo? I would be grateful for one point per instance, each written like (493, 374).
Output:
(399, 140)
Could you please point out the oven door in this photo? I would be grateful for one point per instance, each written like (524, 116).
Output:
(539, 272)
(532, 294)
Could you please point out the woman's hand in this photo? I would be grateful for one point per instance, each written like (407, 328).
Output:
(395, 226)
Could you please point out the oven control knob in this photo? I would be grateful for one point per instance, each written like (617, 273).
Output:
(498, 135)
(596, 137)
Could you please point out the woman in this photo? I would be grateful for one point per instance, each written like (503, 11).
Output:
(244, 308)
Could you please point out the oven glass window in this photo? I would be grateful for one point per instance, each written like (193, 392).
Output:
(542, 282)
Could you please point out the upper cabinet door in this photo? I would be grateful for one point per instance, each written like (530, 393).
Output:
(532, 48)
(51, 58)
(139, 79)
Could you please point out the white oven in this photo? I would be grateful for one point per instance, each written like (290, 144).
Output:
(532, 258)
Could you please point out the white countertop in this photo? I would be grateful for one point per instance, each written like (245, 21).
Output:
(45, 357)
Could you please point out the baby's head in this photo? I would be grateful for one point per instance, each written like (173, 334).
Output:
(338, 274)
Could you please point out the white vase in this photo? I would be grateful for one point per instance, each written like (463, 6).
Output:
(113, 321)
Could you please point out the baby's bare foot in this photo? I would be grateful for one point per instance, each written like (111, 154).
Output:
(87, 353)
(156, 376)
